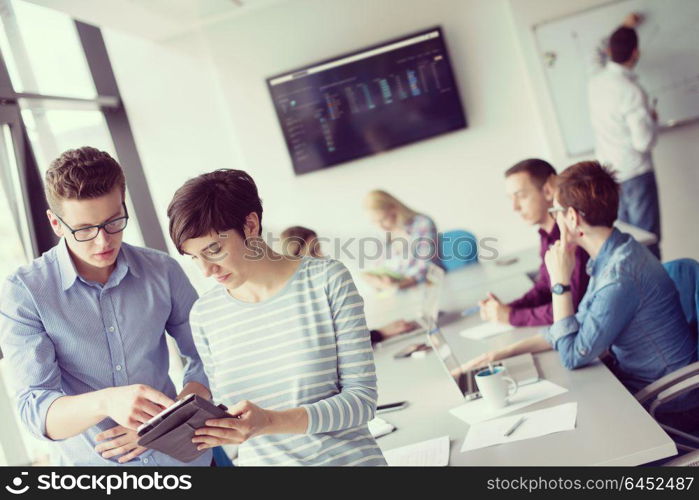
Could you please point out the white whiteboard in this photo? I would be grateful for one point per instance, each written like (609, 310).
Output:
(668, 68)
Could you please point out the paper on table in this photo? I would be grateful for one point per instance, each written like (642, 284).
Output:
(485, 330)
(478, 410)
(379, 427)
(431, 453)
(536, 423)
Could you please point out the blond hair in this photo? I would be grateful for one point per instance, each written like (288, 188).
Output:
(382, 201)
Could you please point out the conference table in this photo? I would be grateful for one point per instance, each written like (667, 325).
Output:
(611, 428)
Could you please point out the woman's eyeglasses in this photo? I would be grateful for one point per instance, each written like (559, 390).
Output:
(554, 210)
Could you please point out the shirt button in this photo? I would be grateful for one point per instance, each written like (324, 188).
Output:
(111, 328)
(145, 460)
(118, 367)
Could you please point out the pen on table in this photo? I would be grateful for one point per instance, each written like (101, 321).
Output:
(514, 427)
(470, 311)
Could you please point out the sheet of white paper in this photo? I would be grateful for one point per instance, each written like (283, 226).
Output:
(431, 453)
(379, 427)
(485, 330)
(478, 410)
(536, 423)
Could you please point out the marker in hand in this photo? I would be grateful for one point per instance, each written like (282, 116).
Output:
(470, 311)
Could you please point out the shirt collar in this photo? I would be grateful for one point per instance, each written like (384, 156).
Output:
(554, 235)
(594, 265)
(126, 261)
(65, 265)
(618, 68)
(69, 273)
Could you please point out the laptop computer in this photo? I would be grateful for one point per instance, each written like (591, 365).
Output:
(429, 311)
(521, 368)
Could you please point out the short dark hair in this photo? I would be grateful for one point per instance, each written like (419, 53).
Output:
(591, 189)
(622, 44)
(538, 170)
(218, 201)
(81, 174)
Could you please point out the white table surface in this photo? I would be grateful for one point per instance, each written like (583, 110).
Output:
(612, 428)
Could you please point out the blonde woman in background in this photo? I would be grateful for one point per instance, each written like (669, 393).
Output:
(407, 260)
(299, 241)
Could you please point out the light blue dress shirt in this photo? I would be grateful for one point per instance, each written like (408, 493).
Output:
(63, 335)
(631, 308)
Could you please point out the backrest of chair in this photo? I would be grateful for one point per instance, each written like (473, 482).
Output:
(690, 459)
(685, 274)
(457, 249)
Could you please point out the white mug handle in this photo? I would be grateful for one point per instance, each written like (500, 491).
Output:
(513, 386)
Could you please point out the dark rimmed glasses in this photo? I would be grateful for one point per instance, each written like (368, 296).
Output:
(88, 233)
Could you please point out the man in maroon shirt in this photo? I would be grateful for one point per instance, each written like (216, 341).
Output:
(530, 185)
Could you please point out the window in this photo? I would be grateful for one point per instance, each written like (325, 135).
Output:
(43, 51)
(52, 131)
(50, 102)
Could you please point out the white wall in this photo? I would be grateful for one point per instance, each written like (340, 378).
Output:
(456, 178)
(179, 122)
(676, 155)
(200, 102)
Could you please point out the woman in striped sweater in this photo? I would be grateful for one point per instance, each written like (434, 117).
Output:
(284, 341)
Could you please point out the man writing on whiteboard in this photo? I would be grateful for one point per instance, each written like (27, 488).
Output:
(625, 127)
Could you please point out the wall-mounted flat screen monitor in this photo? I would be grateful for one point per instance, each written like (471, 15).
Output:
(367, 102)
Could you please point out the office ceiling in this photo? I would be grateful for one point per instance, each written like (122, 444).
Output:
(155, 19)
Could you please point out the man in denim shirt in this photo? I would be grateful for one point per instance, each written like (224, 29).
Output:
(631, 308)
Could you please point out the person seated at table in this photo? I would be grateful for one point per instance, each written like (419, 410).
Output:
(530, 185)
(412, 239)
(299, 241)
(631, 308)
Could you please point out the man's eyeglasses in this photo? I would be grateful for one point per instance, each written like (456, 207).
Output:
(88, 233)
(554, 210)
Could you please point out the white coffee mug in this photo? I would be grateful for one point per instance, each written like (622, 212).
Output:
(495, 387)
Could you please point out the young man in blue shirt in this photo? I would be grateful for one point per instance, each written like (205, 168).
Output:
(83, 326)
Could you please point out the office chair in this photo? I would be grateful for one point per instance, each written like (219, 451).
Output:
(457, 249)
(685, 274)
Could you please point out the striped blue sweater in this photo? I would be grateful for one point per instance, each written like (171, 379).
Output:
(306, 346)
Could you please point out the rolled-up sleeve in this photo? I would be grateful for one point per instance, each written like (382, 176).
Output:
(355, 404)
(534, 307)
(183, 297)
(423, 241)
(580, 339)
(30, 354)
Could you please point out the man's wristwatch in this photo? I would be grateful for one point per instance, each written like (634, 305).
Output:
(560, 289)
